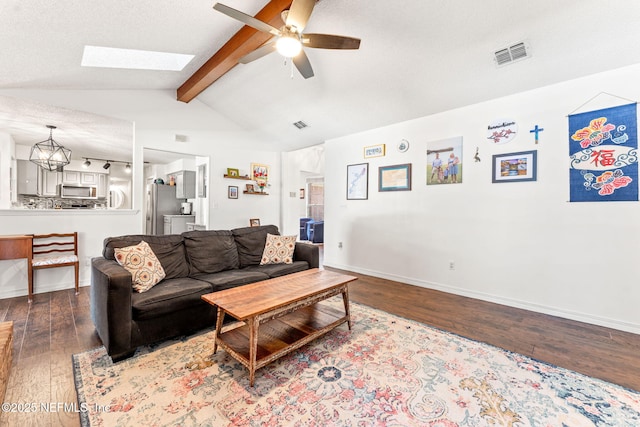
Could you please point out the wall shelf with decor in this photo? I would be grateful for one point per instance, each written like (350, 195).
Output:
(246, 178)
(256, 193)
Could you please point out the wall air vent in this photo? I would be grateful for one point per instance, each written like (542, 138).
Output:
(511, 54)
(300, 124)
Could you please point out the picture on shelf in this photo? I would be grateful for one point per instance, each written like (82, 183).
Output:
(254, 222)
(232, 193)
(259, 172)
(250, 188)
(233, 172)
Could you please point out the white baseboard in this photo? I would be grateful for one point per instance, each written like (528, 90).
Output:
(525, 305)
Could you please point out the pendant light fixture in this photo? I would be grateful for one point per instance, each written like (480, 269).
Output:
(49, 154)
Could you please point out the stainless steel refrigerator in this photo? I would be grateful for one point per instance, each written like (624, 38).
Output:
(161, 200)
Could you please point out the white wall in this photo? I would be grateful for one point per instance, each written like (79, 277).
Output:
(297, 165)
(520, 244)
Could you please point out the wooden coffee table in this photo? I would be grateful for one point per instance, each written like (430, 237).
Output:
(280, 315)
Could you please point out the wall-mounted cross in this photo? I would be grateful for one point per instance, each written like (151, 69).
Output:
(536, 130)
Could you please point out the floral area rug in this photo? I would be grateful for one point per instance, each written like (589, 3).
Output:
(386, 371)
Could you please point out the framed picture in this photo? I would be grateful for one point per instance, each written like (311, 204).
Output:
(515, 167)
(374, 151)
(254, 222)
(259, 172)
(302, 193)
(233, 172)
(232, 192)
(250, 188)
(358, 181)
(394, 178)
(444, 161)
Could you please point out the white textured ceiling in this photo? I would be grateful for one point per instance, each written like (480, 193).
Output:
(417, 57)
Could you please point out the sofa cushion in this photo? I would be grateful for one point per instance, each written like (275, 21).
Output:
(169, 249)
(232, 278)
(168, 296)
(251, 242)
(210, 251)
(139, 260)
(278, 249)
(276, 270)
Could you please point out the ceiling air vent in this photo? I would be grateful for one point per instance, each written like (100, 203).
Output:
(511, 54)
(300, 124)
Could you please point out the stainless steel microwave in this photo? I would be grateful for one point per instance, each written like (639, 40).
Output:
(78, 191)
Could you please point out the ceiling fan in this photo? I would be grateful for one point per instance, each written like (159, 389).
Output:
(289, 39)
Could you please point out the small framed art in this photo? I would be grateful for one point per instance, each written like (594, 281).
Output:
(254, 222)
(374, 151)
(233, 172)
(232, 192)
(259, 172)
(302, 193)
(515, 167)
(249, 188)
(358, 181)
(394, 178)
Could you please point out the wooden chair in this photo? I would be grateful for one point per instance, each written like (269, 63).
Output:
(55, 250)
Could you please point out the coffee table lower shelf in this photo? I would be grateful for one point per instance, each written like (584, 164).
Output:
(281, 335)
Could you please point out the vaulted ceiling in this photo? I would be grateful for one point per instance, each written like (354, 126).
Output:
(417, 57)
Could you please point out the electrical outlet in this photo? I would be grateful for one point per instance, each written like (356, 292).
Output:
(452, 265)
(87, 261)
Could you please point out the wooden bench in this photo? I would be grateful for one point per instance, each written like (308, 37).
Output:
(55, 250)
(6, 349)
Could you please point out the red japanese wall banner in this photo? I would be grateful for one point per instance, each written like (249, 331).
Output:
(603, 152)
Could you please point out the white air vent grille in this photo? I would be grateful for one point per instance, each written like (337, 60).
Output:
(511, 54)
(300, 124)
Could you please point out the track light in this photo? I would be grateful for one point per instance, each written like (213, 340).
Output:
(86, 163)
(107, 165)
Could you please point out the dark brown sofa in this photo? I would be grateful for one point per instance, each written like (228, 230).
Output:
(195, 263)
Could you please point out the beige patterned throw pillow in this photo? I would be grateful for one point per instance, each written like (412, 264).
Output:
(278, 249)
(139, 260)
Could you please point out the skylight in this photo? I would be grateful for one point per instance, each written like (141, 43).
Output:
(110, 57)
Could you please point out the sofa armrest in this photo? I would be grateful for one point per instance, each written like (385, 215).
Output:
(307, 252)
(111, 310)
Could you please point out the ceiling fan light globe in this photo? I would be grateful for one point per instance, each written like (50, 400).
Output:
(288, 46)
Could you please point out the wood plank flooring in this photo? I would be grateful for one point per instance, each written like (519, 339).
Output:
(58, 324)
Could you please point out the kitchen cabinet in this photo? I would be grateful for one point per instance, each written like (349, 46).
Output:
(27, 175)
(195, 227)
(33, 180)
(49, 181)
(176, 224)
(71, 177)
(185, 184)
(89, 178)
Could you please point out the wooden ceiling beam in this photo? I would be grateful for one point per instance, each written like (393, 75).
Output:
(243, 42)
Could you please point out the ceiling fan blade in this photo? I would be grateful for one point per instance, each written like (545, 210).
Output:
(263, 50)
(301, 61)
(246, 19)
(330, 41)
(299, 14)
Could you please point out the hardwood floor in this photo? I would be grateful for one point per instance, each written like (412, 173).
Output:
(58, 324)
